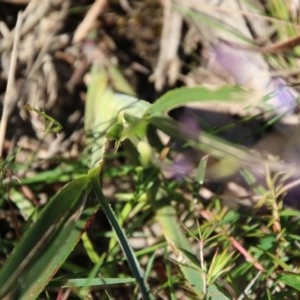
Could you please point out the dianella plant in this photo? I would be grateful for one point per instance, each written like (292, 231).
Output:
(146, 133)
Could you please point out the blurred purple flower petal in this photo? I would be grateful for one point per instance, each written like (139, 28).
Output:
(284, 99)
(249, 70)
(181, 168)
(188, 125)
(243, 67)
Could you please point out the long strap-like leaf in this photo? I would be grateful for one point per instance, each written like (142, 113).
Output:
(47, 243)
(131, 258)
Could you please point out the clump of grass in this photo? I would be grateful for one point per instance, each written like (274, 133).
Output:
(200, 248)
(163, 238)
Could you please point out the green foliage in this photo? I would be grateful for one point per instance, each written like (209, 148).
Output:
(46, 244)
(202, 249)
(50, 124)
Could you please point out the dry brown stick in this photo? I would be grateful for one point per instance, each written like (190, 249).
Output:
(198, 6)
(32, 15)
(7, 43)
(282, 45)
(48, 42)
(276, 47)
(86, 25)
(10, 96)
(35, 11)
(167, 68)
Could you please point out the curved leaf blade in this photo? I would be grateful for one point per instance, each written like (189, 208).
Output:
(46, 244)
(182, 96)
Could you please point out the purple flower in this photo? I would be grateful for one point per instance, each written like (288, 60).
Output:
(249, 70)
(282, 97)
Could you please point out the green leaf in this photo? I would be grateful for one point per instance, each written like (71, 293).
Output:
(289, 213)
(166, 216)
(98, 282)
(182, 96)
(220, 264)
(119, 82)
(290, 279)
(47, 243)
(104, 111)
(201, 170)
(90, 249)
(50, 124)
(129, 253)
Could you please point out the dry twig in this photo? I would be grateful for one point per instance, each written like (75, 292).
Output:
(86, 25)
(10, 95)
(168, 62)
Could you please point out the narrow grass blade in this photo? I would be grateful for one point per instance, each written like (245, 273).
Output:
(290, 279)
(46, 244)
(98, 282)
(131, 258)
(119, 82)
(219, 25)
